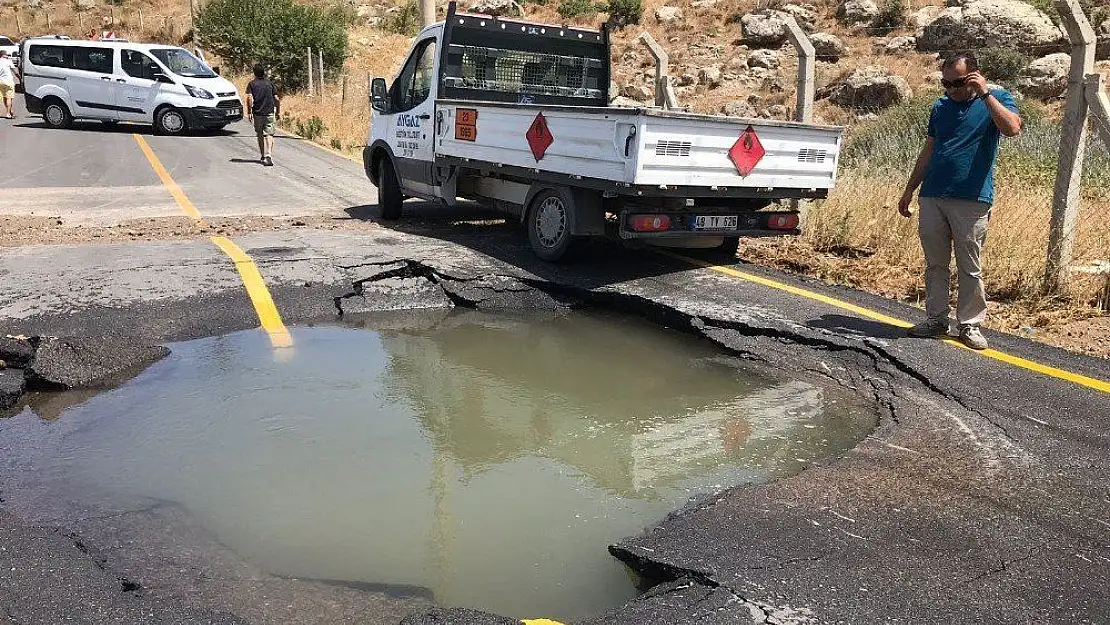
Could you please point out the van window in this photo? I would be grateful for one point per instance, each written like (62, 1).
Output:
(138, 65)
(48, 56)
(4, 41)
(182, 63)
(93, 59)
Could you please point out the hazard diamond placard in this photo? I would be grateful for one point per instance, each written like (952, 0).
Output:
(746, 152)
(539, 137)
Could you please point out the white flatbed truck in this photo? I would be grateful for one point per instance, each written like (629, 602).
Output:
(516, 115)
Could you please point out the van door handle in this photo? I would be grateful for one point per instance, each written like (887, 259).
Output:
(425, 116)
(120, 80)
(105, 78)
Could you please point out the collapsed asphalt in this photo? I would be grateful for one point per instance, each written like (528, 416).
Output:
(981, 496)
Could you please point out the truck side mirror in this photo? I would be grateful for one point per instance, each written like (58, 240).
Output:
(379, 95)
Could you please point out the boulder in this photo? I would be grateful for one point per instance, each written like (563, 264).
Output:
(777, 111)
(870, 89)
(1046, 77)
(16, 352)
(828, 47)
(498, 8)
(638, 93)
(767, 59)
(857, 11)
(668, 15)
(756, 78)
(766, 28)
(685, 80)
(67, 363)
(710, 76)
(739, 108)
(923, 17)
(12, 385)
(805, 14)
(702, 5)
(896, 45)
(990, 24)
(87, 5)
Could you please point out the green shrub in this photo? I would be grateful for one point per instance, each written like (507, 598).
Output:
(405, 21)
(625, 12)
(574, 8)
(1002, 63)
(312, 129)
(891, 16)
(276, 33)
(336, 144)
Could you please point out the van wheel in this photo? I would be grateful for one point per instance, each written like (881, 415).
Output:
(170, 121)
(56, 114)
(389, 190)
(550, 221)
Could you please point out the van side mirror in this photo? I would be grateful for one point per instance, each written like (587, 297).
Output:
(379, 95)
(160, 77)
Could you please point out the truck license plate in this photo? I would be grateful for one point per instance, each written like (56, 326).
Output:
(716, 222)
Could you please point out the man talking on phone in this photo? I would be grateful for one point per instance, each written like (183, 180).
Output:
(955, 171)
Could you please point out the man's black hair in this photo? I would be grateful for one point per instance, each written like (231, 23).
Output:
(970, 62)
(259, 71)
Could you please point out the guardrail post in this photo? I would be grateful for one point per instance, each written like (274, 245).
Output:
(1073, 147)
(664, 93)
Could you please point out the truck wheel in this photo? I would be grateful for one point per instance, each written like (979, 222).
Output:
(56, 114)
(551, 225)
(389, 191)
(170, 121)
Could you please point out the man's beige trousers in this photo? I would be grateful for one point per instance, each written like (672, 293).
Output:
(949, 225)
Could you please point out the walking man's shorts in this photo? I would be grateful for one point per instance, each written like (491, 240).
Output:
(265, 125)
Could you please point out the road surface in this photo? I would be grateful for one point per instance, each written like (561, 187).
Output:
(982, 496)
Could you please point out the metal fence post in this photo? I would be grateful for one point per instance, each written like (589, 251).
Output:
(664, 93)
(1073, 147)
(309, 70)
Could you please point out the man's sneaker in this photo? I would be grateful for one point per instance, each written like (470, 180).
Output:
(268, 161)
(972, 337)
(930, 329)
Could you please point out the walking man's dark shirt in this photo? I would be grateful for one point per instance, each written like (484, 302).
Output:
(262, 92)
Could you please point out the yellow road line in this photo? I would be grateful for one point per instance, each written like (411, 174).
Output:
(1017, 361)
(540, 621)
(167, 180)
(256, 289)
(263, 302)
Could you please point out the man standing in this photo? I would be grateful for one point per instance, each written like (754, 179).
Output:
(7, 83)
(955, 171)
(263, 106)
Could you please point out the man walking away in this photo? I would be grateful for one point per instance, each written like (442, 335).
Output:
(955, 171)
(263, 107)
(7, 83)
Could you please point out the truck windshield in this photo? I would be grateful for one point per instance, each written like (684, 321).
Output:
(180, 62)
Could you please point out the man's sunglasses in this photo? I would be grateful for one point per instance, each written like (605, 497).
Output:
(953, 84)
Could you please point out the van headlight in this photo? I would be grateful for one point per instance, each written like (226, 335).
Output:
(197, 92)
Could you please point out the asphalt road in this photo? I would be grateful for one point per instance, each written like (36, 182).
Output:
(981, 497)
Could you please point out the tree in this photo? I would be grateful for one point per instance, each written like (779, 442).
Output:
(275, 33)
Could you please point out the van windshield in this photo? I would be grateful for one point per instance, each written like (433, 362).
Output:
(180, 62)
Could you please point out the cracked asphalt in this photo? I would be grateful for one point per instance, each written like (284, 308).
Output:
(982, 496)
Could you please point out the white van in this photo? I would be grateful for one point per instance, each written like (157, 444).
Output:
(114, 81)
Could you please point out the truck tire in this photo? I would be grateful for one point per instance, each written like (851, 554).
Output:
(170, 121)
(550, 222)
(56, 114)
(389, 191)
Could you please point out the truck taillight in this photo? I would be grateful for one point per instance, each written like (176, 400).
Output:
(787, 221)
(649, 223)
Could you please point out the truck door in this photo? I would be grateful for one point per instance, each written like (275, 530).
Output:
(413, 106)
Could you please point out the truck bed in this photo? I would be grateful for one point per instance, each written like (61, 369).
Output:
(632, 148)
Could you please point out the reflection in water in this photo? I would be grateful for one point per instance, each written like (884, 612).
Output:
(488, 459)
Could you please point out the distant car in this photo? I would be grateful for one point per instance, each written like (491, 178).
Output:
(11, 47)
